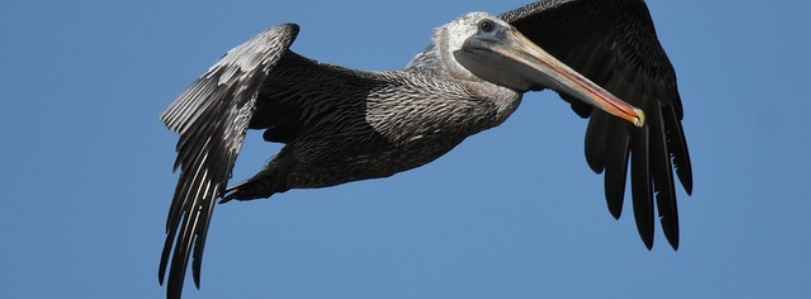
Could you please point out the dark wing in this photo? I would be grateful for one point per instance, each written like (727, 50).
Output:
(212, 116)
(260, 84)
(614, 44)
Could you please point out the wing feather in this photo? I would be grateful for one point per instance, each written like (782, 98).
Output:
(260, 84)
(212, 116)
(614, 44)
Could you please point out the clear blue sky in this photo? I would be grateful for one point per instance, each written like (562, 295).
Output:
(514, 212)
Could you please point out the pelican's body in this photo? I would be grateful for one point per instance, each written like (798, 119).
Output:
(408, 118)
(341, 125)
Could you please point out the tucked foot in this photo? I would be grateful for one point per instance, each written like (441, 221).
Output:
(271, 179)
(253, 188)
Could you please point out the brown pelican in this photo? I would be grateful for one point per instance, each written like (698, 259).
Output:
(341, 125)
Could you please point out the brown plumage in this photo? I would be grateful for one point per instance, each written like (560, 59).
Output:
(341, 125)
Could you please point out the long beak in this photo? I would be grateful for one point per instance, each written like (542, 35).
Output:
(552, 73)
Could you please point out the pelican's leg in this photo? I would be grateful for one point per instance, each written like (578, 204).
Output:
(272, 178)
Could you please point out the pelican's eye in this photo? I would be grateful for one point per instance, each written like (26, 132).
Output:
(487, 25)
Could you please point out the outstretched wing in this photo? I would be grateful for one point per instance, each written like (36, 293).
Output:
(212, 116)
(614, 44)
(260, 84)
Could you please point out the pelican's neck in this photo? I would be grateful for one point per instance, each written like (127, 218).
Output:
(496, 102)
(503, 101)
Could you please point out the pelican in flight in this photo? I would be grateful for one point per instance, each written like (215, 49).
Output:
(341, 125)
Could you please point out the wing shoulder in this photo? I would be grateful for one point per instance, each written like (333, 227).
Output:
(302, 93)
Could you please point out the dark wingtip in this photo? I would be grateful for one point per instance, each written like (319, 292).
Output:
(648, 242)
(669, 219)
(615, 210)
(677, 144)
(674, 241)
(641, 187)
(644, 226)
(664, 186)
(684, 175)
(616, 171)
(196, 275)
(167, 249)
(598, 143)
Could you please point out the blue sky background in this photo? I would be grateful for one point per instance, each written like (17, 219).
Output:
(514, 212)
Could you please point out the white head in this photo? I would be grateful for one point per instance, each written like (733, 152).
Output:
(451, 37)
(480, 47)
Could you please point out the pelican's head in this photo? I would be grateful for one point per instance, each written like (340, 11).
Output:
(480, 47)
